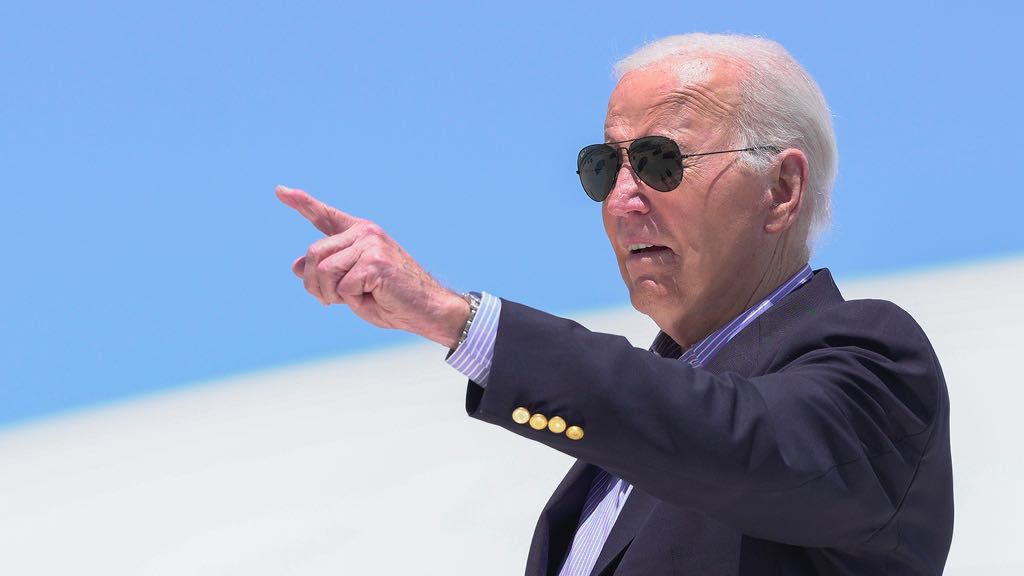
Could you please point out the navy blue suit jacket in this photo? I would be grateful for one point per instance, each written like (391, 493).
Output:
(815, 442)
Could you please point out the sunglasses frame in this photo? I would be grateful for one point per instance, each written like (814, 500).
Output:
(618, 159)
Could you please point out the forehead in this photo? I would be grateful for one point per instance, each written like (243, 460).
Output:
(691, 94)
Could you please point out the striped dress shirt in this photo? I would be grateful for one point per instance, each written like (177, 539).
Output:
(607, 494)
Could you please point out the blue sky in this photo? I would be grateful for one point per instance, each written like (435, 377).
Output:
(141, 142)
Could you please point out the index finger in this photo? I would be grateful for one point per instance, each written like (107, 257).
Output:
(327, 219)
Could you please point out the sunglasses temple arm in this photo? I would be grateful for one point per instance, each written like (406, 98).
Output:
(771, 148)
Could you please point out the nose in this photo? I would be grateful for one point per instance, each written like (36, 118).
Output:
(628, 195)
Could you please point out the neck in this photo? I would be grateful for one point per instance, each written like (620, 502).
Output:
(788, 256)
(781, 266)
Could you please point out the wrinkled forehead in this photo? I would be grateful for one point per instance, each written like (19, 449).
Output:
(673, 96)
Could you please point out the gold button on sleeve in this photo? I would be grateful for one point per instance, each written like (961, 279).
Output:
(556, 425)
(574, 432)
(538, 422)
(520, 415)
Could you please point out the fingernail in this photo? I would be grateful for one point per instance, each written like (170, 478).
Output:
(283, 188)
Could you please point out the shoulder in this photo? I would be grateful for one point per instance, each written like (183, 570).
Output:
(817, 316)
(880, 317)
(874, 332)
(871, 349)
(877, 325)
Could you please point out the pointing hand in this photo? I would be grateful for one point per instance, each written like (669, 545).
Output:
(359, 265)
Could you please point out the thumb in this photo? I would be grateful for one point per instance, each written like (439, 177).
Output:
(299, 266)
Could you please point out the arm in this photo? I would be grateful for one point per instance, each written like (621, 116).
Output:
(818, 446)
(817, 451)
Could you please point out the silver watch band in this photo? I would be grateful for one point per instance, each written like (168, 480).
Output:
(474, 304)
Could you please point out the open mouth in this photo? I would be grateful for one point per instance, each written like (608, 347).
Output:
(645, 248)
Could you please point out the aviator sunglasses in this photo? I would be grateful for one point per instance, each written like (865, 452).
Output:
(656, 160)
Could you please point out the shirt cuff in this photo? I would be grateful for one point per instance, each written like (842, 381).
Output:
(473, 357)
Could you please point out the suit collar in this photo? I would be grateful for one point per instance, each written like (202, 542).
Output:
(744, 353)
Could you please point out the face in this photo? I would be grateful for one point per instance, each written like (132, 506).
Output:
(707, 238)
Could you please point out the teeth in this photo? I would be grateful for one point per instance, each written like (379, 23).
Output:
(635, 247)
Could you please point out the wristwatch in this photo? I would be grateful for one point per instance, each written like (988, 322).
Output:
(473, 298)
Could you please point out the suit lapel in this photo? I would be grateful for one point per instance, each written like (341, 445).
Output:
(557, 523)
(633, 516)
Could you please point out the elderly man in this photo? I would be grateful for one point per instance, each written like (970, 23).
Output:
(773, 428)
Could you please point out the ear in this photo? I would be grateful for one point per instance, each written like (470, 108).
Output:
(788, 184)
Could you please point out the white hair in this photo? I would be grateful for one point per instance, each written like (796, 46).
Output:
(781, 106)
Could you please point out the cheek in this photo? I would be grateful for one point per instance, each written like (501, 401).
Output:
(609, 227)
(683, 220)
(733, 211)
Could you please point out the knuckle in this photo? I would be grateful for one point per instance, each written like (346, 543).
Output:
(378, 244)
(371, 258)
(372, 229)
(377, 260)
(358, 273)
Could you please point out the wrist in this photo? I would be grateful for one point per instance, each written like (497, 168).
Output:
(455, 313)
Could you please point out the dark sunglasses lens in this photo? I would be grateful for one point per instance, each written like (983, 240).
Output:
(597, 165)
(657, 161)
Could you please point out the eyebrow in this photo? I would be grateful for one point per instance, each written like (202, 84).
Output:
(637, 138)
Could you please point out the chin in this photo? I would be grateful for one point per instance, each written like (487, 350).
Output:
(648, 296)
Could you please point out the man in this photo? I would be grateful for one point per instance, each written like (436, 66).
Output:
(775, 428)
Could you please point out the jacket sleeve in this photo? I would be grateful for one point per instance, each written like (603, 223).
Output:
(819, 450)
